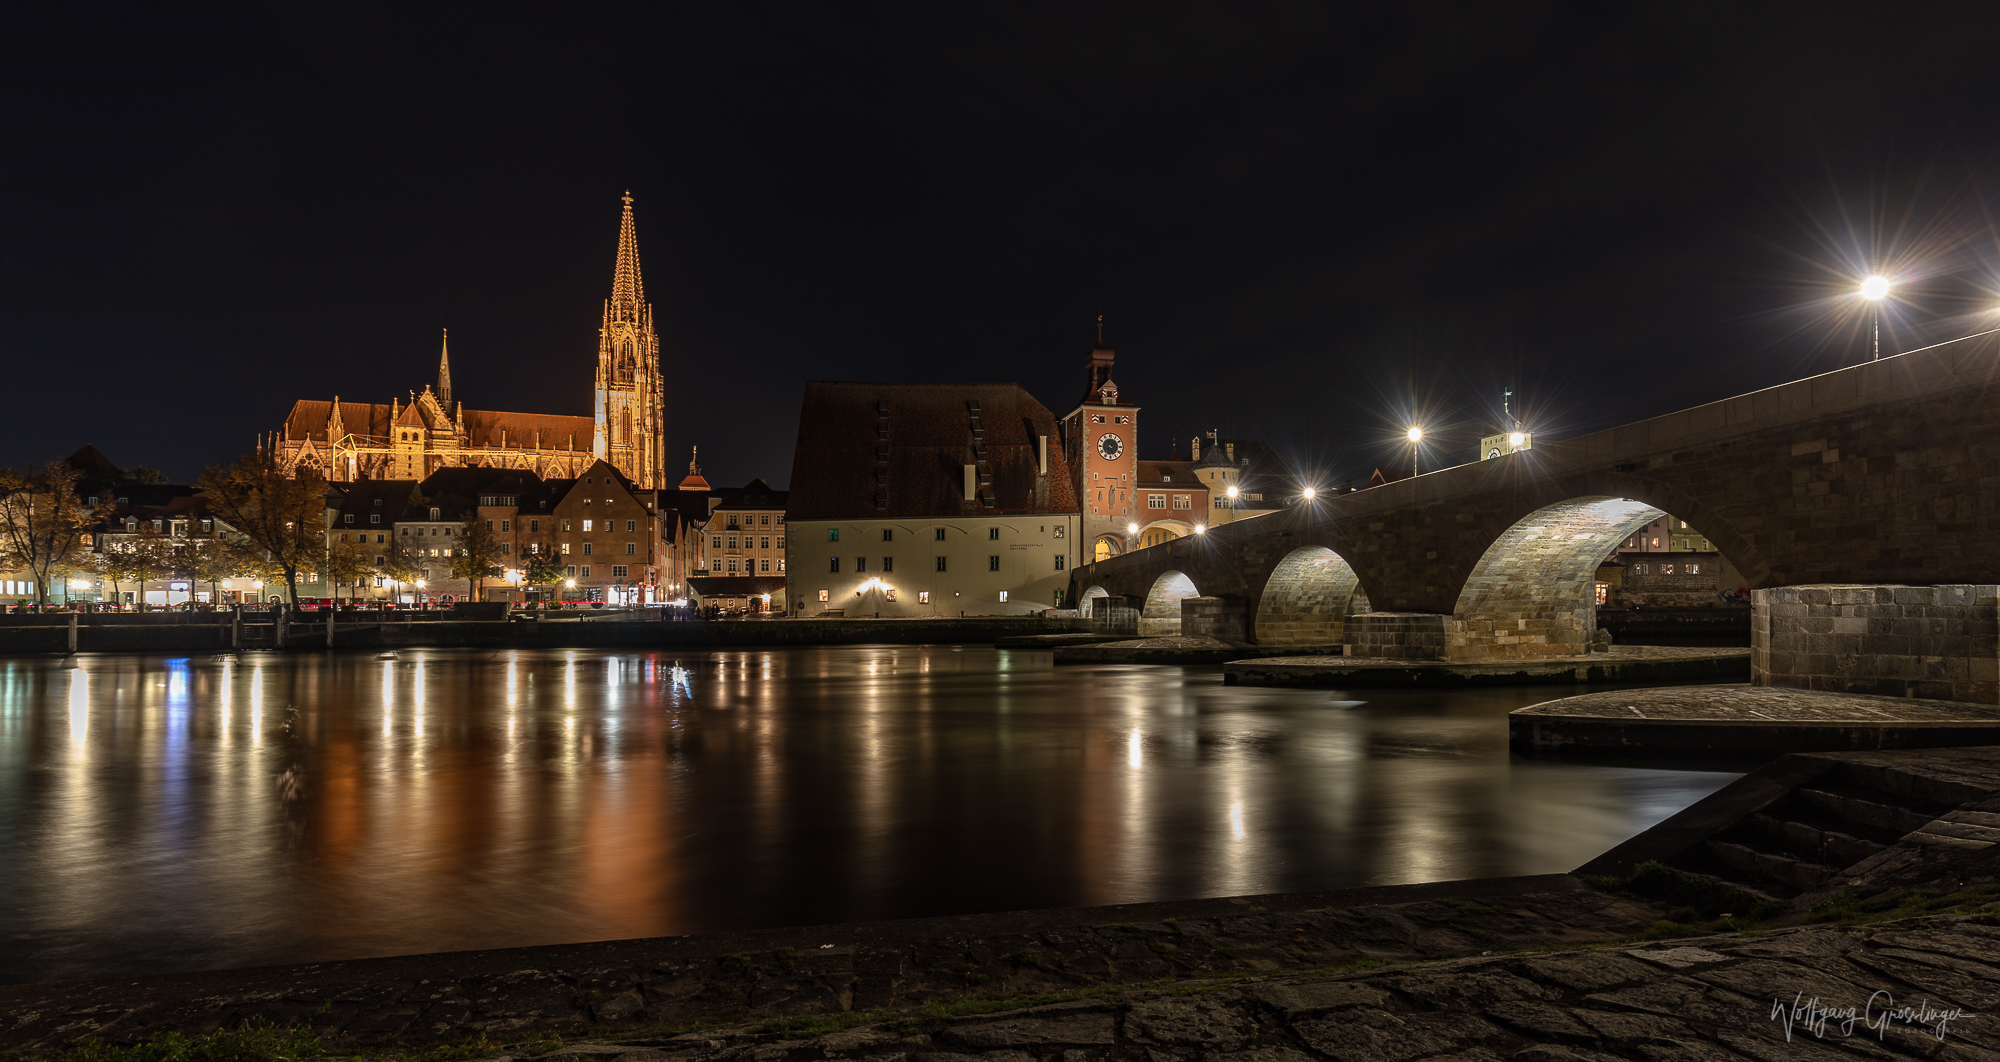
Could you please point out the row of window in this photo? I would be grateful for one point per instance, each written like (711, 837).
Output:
(750, 564)
(937, 533)
(631, 548)
(1665, 569)
(889, 564)
(180, 526)
(754, 518)
(766, 542)
(1159, 501)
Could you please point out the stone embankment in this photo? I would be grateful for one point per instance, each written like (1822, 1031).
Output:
(1745, 721)
(1620, 663)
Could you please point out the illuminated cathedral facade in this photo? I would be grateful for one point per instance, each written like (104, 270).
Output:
(348, 441)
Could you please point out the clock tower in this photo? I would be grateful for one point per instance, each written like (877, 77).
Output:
(1101, 441)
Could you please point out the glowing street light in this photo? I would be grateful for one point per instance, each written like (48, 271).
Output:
(1517, 439)
(1201, 529)
(1131, 529)
(1232, 492)
(1416, 436)
(1875, 289)
(1308, 493)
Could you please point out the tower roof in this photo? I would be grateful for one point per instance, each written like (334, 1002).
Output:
(626, 285)
(444, 370)
(694, 480)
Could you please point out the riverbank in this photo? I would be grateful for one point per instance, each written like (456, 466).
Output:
(569, 629)
(1622, 663)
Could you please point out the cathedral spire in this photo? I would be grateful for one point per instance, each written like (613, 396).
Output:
(444, 370)
(626, 287)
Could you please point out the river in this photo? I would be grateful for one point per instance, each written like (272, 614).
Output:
(165, 814)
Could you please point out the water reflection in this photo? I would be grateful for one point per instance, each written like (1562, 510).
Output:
(451, 800)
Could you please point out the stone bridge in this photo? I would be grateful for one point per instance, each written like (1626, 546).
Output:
(1886, 474)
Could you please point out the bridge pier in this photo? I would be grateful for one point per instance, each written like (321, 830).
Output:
(1225, 618)
(1398, 636)
(1935, 642)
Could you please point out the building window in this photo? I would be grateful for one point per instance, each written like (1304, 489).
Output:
(586, 525)
(822, 595)
(586, 572)
(1656, 543)
(1694, 569)
(923, 597)
(1603, 592)
(732, 564)
(833, 564)
(938, 534)
(1156, 501)
(718, 542)
(569, 570)
(631, 525)
(833, 534)
(565, 547)
(715, 565)
(992, 564)
(506, 525)
(435, 513)
(1059, 530)
(565, 525)
(764, 543)
(374, 518)
(1638, 569)
(732, 542)
(1666, 569)
(1182, 501)
(888, 534)
(534, 525)
(860, 564)
(940, 564)
(631, 549)
(618, 571)
(992, 534)
(888, 564)
(781, 542)
(1059, 562)
(586, 548)
(765, 565)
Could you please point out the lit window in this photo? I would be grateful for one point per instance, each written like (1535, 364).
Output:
(1603, 592)
(833, 534)
(1694, 569)
(1666, 569)
(565, 547)
(923, 597)
(1182, 501)
(822, 595)
(1003, 595)
(586, 525)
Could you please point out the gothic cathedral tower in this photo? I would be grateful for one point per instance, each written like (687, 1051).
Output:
(630, 433)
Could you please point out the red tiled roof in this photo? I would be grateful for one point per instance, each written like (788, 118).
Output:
(929, 442)
(1152, 474)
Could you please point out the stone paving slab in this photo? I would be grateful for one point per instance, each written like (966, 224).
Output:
(570, 990)
(1622, 663)
(1745, 720)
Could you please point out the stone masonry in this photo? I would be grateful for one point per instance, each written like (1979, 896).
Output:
(1215, 617)
(1398, 636)
(1935, 642)
(1881, 473)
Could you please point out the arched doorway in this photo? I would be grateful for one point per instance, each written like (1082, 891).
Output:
(1106, 548)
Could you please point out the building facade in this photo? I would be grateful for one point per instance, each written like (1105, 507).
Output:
(1100, 444)
(351, 441)
(928, 499)
(746, 531)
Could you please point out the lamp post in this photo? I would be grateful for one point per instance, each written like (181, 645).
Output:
(1875, 289)
(1416, 436)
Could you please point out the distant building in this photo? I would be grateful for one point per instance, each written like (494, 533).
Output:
(930, 499)
(1243, 476)
(1173, 502)
(1100, 445)
(350, 441)
(1668, 564)
(746, 531)
(738, 595)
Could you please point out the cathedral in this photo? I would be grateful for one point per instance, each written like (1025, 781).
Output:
(350, 441)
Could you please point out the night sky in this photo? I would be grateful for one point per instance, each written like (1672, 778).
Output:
(1301, 223)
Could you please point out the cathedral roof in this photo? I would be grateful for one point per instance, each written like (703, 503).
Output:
(310, 418)
(928, 445)
(626, 284)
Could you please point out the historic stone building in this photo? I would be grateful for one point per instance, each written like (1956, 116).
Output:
(1100, 445)
(349, 441)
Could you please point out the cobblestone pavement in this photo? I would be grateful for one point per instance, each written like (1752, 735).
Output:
(1921, 989)
(1738, 702)
(803, 973)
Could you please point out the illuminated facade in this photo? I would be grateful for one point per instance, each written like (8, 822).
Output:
(1101, 445)
(349, 441)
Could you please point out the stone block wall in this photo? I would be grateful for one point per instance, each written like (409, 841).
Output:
(1399, 635)
(1227, 618)
(1938, 642)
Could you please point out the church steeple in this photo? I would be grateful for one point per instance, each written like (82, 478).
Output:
(444, 371)
(629, 388)
(627, 289)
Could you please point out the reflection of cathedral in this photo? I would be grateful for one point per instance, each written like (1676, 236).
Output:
(370, 440)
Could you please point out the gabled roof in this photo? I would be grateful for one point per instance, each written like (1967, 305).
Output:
(755, 494)
(89, 459)
(929, 442)
(1155, 473)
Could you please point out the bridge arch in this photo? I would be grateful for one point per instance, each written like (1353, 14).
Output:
(1307, 598)
(1531, 593)
(1162, 615)
(1085, 603)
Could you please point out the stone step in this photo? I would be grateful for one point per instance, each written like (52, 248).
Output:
(1871, 810)
(1810, 841)
(1774, 866)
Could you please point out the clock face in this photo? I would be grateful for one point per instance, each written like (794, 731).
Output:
(1111, 446)
(1493, 453)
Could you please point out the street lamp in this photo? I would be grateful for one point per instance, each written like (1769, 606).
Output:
(1308, 493)
(1875, 289)
(1517, 439)
(1416, 436)
(1201, 529)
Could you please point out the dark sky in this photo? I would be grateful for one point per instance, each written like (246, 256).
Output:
(1300, 222)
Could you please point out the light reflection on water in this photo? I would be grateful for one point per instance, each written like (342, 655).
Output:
(152, 819)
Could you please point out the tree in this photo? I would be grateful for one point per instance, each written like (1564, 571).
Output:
(402, 562)
(478, 556)
(42, 523)
(544, 567)
(347, 562)
(281, 515)
(140, 557)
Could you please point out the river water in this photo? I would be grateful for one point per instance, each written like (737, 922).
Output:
(174, 813)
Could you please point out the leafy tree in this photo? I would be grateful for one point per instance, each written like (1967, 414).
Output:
(140, 557)
(281, 515)
(42, 523)
(543, 567)
(347, 562)
(478, 557)
(401, 561)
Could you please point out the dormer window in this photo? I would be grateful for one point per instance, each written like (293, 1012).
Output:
(347, 518)
(435, 514)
